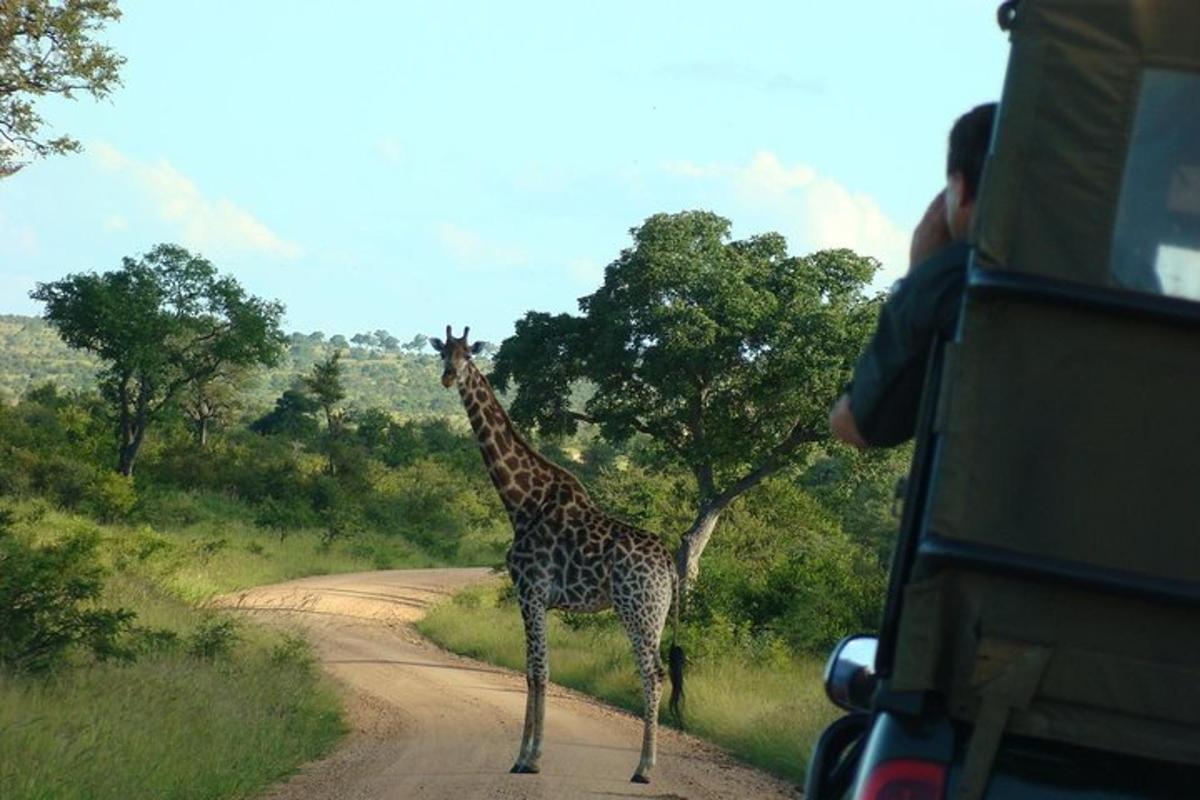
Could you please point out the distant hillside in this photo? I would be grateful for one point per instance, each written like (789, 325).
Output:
(378, 372)
(31, 352)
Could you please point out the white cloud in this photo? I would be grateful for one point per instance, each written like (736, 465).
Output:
(469, 248)
(814, 212)
(203, 223)
(115, 222)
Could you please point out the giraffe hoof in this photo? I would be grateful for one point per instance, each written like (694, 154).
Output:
(521, 769)
(639, 779)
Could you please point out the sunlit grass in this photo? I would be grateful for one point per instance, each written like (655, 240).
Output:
(201, 559)
(768, 714)
(170, 724)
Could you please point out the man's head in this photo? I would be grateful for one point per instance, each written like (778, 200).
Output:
(969, 140)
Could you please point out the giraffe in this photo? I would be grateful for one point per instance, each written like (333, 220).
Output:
(568, 554)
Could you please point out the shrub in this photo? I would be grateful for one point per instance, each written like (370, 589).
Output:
(781, 568)
(292, 649)
(284, 516)
(109, 496)
(46, 597)
(214, 638)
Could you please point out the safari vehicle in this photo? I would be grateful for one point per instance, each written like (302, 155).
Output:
(1042, 629)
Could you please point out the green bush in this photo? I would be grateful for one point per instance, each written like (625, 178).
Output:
(293, 649)
(214, 638)
(780, 567)
(109, 496)
(284, 516)
(435, 505)
(47, 596)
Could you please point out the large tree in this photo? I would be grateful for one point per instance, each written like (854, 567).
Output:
(726, 353)
(162, 323)
(48, 47)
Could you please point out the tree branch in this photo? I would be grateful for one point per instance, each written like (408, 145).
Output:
(774, 461)
(637, 425)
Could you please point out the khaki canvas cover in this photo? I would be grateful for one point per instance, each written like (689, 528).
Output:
(1068, 435)
(1073, 435)
(1051, 190)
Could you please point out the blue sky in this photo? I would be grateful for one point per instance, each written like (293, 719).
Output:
(405, 165)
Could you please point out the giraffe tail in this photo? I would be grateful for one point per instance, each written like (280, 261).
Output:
(675, 659)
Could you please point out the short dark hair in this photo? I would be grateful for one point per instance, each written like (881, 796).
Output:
(969, 140)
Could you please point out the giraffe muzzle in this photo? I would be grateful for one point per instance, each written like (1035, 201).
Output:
(447, 379)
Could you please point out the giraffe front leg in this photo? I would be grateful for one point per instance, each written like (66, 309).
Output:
(536, 675)
(526, 731)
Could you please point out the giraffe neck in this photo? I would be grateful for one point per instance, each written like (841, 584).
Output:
(509, 459)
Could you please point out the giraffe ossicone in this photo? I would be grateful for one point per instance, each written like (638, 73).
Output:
(568, 554)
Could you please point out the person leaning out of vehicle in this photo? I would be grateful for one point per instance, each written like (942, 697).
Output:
(879, 407)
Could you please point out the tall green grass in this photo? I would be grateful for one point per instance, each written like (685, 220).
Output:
(766, 711)
(172, 723)
(213, 548)
(212, 707)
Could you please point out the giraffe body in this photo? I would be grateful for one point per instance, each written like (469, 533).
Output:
(568, 554)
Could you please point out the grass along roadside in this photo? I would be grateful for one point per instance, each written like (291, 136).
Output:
(213, 707)
(212, 712)
(767, 714)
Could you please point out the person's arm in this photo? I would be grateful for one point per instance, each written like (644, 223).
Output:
(842, 424)
(882, 403)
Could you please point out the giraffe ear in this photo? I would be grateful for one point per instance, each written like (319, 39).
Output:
(437, 344)
(477, 348)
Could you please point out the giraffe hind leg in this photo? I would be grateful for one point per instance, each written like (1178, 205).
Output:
(644, 621)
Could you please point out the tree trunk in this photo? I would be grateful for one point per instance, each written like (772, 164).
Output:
(128, 454)
(133, 432)
(695, 539)
(202, 432)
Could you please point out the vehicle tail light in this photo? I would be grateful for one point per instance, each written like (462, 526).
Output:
(906, 779)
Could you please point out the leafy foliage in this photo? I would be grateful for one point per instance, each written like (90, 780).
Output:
(292, 416)
(728, 354)
(46, 602)
(160, 324)
(49, 48)
(324, 383)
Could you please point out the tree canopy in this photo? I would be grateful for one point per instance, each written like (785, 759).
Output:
(160, 324)
(48, 47)
(727, 353)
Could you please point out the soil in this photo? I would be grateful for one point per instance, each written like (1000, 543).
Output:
(429, 724)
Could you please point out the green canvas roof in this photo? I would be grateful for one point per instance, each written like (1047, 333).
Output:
(1085, 79)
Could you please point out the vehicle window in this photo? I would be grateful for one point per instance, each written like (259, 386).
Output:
(1156, 244)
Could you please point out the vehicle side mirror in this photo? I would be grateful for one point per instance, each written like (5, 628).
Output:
(850, 674)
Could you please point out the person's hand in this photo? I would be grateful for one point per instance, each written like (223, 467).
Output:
(842, 424)
(932, 232)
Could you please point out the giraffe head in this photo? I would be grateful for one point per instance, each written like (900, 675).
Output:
(455, 353)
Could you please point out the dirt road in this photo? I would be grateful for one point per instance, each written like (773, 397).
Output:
(428, 724)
